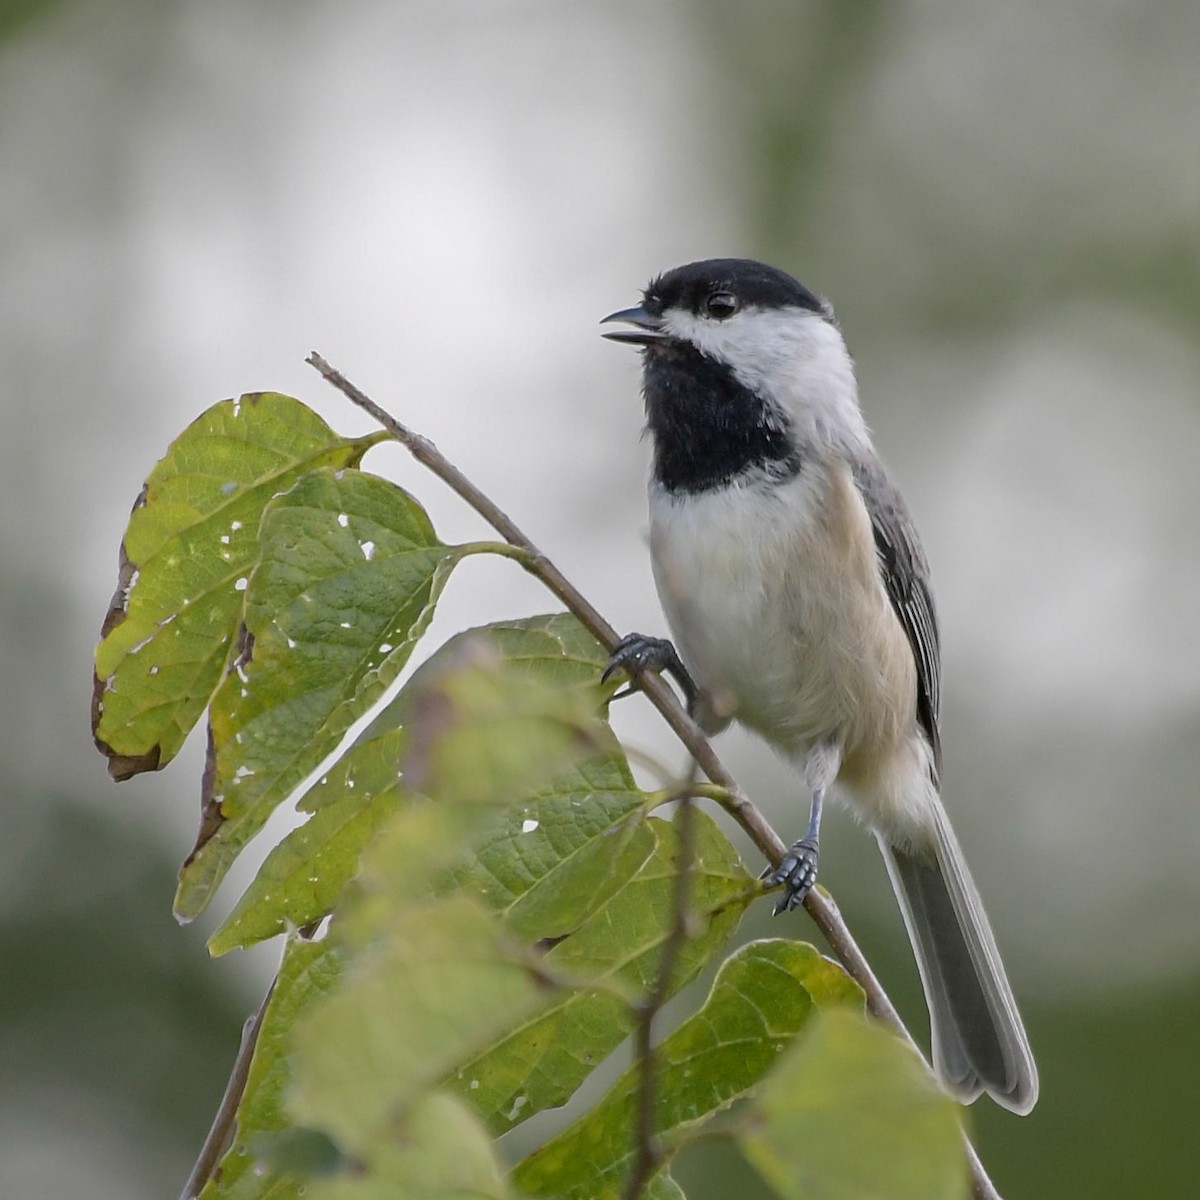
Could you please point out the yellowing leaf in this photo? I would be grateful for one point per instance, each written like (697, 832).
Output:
(190, 545)
(349, 571)
(432, 981)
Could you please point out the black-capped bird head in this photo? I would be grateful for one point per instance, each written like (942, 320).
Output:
(742, 365)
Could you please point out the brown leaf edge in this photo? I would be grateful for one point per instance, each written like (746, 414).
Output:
(121, 766)
(125, 766)
(211, 816)
(434, 715)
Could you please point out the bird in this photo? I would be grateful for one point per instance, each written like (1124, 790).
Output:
(799, 601)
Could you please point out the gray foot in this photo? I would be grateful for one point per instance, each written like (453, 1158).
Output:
(797, 872)
(637, 653)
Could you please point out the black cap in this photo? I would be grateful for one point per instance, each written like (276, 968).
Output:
(752, 283)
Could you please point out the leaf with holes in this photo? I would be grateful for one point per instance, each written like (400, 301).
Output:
(555, 852)
(442, 982)
(546, 864)
(432, 980)
(543, 864)
(349, 572)
(539, 1063)
(304, 875)
(480, 734)
(763, 996)
(190, 544)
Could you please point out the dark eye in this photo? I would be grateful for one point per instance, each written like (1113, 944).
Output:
(720, 305)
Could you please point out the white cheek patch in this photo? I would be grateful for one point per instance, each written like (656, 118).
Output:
(759, 345)
(795, 357)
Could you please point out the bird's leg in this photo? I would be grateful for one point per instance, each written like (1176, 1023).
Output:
(798, 870)
(637, 653)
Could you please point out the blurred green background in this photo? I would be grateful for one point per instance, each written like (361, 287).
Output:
(1003, 202)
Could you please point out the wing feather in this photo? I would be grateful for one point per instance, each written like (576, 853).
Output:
(905, 575)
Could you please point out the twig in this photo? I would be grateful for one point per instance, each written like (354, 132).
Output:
(648, 1155)
(818, 903)
(221, 1133)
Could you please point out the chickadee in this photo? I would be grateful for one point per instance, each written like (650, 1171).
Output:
(795, 585)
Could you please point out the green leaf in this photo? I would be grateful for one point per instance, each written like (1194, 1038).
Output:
(540, 1063)
(483, 733)
(763, 996)
(552, 647)
(303, 877)
(444, 983)
(850, 1113)
(437, 1152)
(192, 537)
(663, 1187)
(543, 865)
(556, 851)
(431, 981)
(349, 572)
(308, 971)
(550, 862)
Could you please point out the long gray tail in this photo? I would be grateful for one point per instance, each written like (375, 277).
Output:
(979, 1042)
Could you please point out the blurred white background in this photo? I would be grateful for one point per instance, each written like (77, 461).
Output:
(1002, 201)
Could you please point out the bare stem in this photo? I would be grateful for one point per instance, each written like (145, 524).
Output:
(818, 903)
(648, 1155)
(221, 1132)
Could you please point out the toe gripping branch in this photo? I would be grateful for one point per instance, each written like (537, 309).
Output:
(637, 653)
(797, 873)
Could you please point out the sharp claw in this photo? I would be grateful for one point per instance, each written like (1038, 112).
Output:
(797, 872)
(637, 653)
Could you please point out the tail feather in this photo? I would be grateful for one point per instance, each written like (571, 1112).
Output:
(979, 1042)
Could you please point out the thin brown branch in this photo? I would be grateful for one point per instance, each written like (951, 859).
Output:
(428, 455)
(221, 1132)
(818, 903)
(648, 1155)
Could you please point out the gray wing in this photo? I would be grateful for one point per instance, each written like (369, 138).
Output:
(905, 575)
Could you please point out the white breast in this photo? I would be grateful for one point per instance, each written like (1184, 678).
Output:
(775, 602)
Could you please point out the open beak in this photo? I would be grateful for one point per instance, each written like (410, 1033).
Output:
(647, 328)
